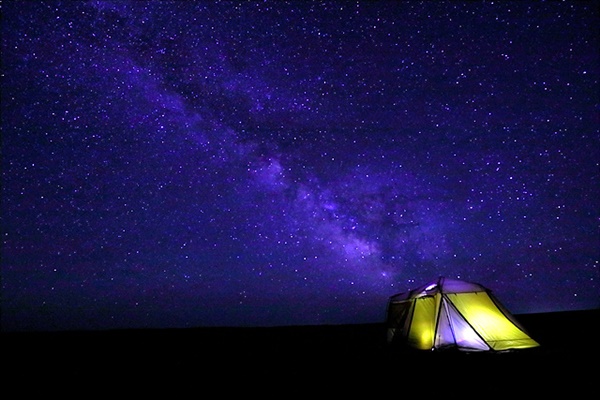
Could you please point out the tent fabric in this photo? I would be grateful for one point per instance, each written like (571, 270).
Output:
(450, 313)
(454, 329)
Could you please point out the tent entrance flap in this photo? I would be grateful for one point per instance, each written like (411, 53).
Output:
(454, 330)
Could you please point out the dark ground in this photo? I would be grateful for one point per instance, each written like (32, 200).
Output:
(346, 358)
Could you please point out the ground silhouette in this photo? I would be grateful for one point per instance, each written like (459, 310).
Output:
(332, 356)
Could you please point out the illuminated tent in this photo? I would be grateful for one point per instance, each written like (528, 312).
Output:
(453, 314)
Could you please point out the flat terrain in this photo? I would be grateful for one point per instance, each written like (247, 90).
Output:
(300, 357)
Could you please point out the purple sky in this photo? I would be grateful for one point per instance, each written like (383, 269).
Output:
(182, 164)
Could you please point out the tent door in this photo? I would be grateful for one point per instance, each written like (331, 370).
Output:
(454, 330)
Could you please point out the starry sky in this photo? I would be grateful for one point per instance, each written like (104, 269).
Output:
(221, 163)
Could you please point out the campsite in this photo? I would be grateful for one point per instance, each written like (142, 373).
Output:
(345, 354)
(454, 314)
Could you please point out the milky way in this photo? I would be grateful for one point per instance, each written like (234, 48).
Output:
(178, 164)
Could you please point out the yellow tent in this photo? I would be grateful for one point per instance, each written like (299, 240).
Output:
(450, 313)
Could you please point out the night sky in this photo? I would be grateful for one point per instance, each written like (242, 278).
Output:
(184, 164)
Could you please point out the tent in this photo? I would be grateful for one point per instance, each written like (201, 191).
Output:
(453, 314)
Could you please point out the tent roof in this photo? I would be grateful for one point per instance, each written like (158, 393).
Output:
(440, 285)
